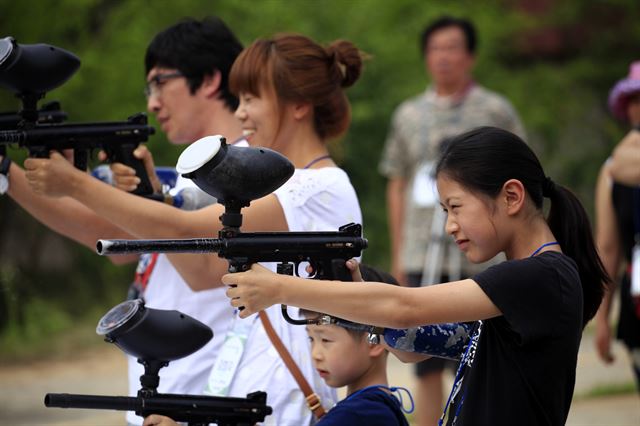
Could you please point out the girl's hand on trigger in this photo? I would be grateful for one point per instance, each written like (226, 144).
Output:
(354, 267)
(158, 420)
(254, 290)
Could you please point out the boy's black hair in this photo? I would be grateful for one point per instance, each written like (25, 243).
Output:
(369, 273)
(467, 27)
(197, 49)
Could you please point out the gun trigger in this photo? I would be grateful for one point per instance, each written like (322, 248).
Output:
(296, 266)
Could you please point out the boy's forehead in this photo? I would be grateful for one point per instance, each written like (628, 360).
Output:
(324, 329)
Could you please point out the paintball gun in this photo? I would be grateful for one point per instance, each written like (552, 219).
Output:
(236, 176)
(31, 70)
(156, 337)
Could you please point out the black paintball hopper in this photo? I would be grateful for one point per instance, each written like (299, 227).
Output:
(233, 174)
(34, 68)
(153, 334)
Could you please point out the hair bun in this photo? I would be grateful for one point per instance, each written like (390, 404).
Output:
(347, 62)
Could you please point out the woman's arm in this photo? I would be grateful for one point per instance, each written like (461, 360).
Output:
(149, 219)
(363, 302)
(65, 215)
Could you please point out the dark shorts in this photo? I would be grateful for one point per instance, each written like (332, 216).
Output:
(432, 365)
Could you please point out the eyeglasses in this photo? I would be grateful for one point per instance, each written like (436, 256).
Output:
(153, 86)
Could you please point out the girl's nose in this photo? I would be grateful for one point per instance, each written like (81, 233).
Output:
(450, 226)
(240, 112)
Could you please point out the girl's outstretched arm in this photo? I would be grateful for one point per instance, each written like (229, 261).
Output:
(364, 302)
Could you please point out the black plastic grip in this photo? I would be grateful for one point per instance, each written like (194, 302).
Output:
(124, 154)
(340, 271)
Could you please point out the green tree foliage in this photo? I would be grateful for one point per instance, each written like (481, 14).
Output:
(554, 60)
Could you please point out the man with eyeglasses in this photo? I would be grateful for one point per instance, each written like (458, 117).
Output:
(187, 67)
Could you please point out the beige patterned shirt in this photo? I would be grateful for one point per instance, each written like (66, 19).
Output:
(418, 126)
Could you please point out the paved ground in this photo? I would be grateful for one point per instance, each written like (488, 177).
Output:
(101, 371)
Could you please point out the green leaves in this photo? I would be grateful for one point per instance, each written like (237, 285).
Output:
(555, 63)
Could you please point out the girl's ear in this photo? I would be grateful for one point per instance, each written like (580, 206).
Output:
(513, 195)
(301, 110)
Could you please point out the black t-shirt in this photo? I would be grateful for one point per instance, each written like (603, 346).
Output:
(524, 367)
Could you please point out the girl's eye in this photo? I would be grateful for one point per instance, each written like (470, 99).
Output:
(326, 341)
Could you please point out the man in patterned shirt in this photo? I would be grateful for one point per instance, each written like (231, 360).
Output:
(452, 104)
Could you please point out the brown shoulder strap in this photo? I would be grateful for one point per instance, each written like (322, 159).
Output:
(313, 400)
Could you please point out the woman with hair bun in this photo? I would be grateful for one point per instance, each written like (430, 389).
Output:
(292, 100)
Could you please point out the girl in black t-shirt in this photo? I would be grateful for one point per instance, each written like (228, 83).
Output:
(524, 317)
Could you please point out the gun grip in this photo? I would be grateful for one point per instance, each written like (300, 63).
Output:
(340, 271)
(80, 159)
(124, 154)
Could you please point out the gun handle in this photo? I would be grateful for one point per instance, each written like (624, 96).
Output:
(81, 159)
(340, 271)
(38, 152)
(124, 154)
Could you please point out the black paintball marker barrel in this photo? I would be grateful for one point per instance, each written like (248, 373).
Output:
(193, 409)
(258, 246)
(97, 402)
(193, 245)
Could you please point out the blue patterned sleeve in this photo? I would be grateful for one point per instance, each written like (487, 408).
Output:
(441, 340)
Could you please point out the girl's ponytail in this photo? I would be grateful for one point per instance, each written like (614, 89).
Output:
(570, 224)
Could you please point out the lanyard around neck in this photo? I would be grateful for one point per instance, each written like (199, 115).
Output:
(315, 160)
(551, 243)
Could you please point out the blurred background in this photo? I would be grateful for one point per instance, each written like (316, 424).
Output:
(554, 60)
